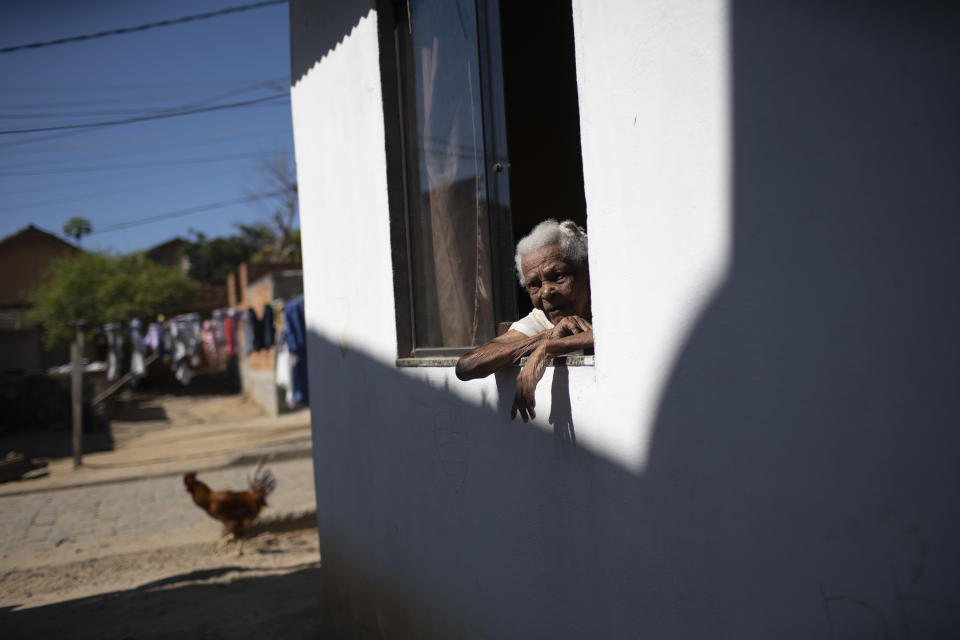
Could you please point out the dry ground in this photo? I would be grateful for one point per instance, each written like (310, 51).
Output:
(181, 591)
(171, 583)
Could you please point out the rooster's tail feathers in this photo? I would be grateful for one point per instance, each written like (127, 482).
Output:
(263, 481)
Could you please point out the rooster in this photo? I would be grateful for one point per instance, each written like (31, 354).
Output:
(235, 509)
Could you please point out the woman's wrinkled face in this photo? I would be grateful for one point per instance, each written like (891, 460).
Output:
(556, 287)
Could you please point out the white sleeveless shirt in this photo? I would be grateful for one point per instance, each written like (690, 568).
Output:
(532, 324)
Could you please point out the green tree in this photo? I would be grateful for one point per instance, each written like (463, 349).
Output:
(212, 259)
(99, 288)
(76, 228)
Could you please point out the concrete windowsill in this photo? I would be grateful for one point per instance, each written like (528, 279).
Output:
(570, 361)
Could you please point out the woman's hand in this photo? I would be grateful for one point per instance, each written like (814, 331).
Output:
(571, 333)
(570, 325)
(525, 399)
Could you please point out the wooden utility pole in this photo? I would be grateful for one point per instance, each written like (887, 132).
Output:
(76, 394)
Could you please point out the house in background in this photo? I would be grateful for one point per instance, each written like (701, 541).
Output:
(764, 444)
(24, 256)
(170, 253)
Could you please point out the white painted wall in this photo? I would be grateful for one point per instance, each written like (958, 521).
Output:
(765, 447)
(338, 119)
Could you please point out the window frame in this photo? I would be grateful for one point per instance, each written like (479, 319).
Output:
(394, 32)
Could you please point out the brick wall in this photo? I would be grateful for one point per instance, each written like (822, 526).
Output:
(258, 296)
(257, 370)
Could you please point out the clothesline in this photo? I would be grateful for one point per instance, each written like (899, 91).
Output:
(109, 391)
(190, 344)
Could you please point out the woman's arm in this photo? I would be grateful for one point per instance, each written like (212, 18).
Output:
(500, 352)
(559, 341)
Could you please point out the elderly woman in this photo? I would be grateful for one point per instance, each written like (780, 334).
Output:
(552, 267)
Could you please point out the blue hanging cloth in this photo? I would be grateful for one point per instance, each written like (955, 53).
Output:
(296, 335)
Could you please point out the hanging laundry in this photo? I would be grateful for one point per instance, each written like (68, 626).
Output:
(209, 343)
(185, 335)
(248, 319)
(179, 352)
(182, 373)
(195, 347)
(154, 339)
(137, 368)
(284, 371)
(230, 333)
(219, 335)
(166, 342)
(256, 330)
(296, 338)
(114, 334)
(269, 331)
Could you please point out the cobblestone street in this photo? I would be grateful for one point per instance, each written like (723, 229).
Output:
(118, 548)
(132, 497)
(157, 507)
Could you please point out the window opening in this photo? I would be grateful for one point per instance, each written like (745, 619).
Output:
(543, 117)
(489, 130)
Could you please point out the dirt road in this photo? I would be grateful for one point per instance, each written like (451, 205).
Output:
(187, 591)
(118, 550)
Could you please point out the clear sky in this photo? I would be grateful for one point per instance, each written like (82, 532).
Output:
(125, 173)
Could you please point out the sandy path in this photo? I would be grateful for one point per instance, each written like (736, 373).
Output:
(187, 591)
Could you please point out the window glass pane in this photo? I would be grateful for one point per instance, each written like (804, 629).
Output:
(448, 226)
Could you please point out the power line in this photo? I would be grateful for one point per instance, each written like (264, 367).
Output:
(135, 165)
(139, 142)
(193, 177)
(52, 136)
(30, 140)
(144, 27)
(186, 212)
(133, 111)
(127, 86)
(76, 114)
(156, 116)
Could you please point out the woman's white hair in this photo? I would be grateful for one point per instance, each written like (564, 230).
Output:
(568, 235)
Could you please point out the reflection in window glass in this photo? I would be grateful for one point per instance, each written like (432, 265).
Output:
(448, 226)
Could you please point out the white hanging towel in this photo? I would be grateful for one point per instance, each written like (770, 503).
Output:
(114, 333)
(284, 372)
(137, 368)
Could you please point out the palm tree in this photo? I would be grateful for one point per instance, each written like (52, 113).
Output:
(76, 228)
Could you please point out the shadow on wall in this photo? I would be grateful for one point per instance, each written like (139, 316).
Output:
(440, 518)
(808, 433)
(448, 520)
(314, 34)
(802, 479)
